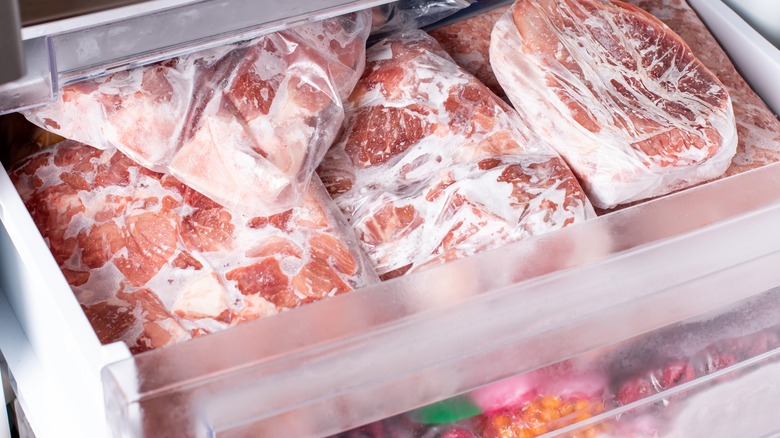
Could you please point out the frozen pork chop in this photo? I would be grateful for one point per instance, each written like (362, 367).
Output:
(431, 166)
(617, 93)
(154, 262)
(245, 124)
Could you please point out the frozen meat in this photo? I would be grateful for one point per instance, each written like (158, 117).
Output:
(431, 166)
(620, 96)
(758, 129)
(153, 262)
(244, 124)
(467, 41)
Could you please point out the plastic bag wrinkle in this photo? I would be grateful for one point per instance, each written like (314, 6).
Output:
(274, 103)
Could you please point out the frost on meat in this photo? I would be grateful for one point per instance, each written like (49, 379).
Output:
(432, 166)
(246, 124)
(619, 95)
(758, 128)
(468, 43)
(154, 262)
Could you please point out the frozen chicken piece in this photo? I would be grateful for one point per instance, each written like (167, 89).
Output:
(758, 128)
(432, 167)
(618, 94)
(246, 124)
(468, 42)
(153, 262)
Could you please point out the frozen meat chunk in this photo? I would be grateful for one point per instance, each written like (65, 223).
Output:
(758, 128)
(468, 43)
(431, 166)
(153, 262)
(246, 124)
(617, 93)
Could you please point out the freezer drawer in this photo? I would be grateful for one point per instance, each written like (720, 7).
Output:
(350, 360)
(756, 57)
(400, 345)
(60, 52)
(713, 375)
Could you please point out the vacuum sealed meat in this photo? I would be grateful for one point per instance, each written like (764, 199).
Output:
(758, 129)
(431, 166)
(246, 125)
(617, 93)
(154, 262)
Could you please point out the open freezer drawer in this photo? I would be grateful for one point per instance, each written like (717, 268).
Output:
(420, 339)
(408, 342)
(396, 346)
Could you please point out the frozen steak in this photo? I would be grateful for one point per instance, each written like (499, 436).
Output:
(620, 96)
(431, 166)
(154, 262)
(468, 43)
(245, 124)
(758, 128)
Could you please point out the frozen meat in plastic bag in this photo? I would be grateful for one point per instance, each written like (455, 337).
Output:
(467, 41)
(153, 262)
(246, 125)
(617, 93)
(432, 167)
(758, 128)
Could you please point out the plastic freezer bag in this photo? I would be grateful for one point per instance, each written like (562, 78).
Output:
(431, 166)
(413, 14)
(618, 94)
(757, 127)
(245, 124)
(154, 262)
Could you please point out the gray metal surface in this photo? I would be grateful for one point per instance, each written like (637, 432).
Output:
(41, 11)
(12, 65)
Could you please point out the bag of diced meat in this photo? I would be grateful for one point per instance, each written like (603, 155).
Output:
(431, 166)
(245, 124)
(153, 262)
(618, 94)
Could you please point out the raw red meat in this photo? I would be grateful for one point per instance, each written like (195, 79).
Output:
(758, 128)
(618, 94)
(468, 42)
(431, 166)
(245, 124)
(154, 262)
